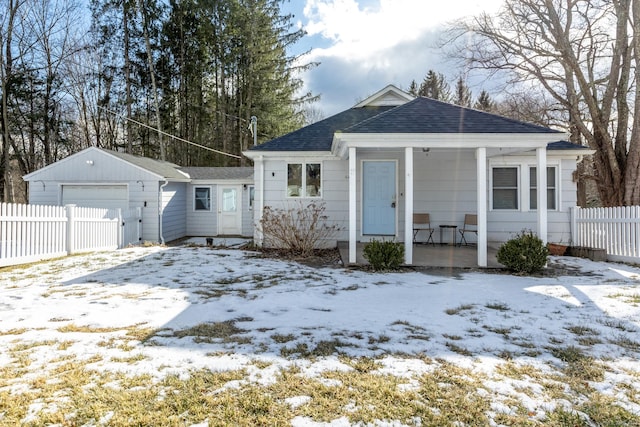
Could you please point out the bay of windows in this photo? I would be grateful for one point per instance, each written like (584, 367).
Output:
(507, 188)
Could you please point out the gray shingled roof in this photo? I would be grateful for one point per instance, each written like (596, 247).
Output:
(219, 173)
(565, 145)
(319, 136)
(164, 169)
(421, 115)
(426, 115)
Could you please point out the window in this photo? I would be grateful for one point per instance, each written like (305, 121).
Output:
(551, 188)
(505, 188)
(202, 198)
(252, 196)
(304, 180)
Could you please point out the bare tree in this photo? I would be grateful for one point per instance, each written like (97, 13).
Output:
(7, 32)
(584, 55)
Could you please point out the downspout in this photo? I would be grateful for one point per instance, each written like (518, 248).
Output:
(161, 209)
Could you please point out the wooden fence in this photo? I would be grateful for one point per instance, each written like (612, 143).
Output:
(31, 233)
(617, 230)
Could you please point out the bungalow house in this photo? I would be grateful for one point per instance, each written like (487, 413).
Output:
(175, 201)
(392, 155)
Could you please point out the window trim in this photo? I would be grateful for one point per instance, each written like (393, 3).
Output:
(251, 190)
(195, 199)
(517, 188)
(556, 187)
(303, 184)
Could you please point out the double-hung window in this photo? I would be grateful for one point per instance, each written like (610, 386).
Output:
(202, 198)
(505, 187)
(551, 188)
(304, 180)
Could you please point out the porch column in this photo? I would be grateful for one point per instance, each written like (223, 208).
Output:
(408, 206)
(481, 177)
(259, 212)
(541, 186)
(352, 205)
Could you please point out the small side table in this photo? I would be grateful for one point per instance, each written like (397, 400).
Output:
(453, 229)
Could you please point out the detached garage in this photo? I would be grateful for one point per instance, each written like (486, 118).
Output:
(107, 179)
(175, 202)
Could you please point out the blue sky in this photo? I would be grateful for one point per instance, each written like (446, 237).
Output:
(364, 45)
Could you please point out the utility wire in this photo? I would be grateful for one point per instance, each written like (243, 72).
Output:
(169, 135)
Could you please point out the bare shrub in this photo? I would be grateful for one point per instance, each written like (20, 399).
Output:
(299, 229)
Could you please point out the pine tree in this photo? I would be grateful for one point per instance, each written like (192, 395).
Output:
(435, 86)
(484, 102)
(413, 88)
(463, 94)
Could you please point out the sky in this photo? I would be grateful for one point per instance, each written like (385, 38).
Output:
(364, 45)
(410, 321)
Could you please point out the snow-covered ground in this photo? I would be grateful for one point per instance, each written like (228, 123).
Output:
(276, 308)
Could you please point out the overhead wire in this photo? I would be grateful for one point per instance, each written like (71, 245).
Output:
(169, 135)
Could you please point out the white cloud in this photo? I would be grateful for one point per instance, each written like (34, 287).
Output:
(357, 30)
(368, 44)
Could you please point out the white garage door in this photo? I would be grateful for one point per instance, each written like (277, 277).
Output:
(96, 196)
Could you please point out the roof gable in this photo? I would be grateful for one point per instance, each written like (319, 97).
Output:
(389, 96)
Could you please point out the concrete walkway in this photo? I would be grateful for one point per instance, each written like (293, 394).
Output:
(442, 256)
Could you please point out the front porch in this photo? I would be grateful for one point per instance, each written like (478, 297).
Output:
(440, 256)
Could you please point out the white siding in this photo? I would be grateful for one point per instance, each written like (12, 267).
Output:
(444, 186)
(45, 188)
(202, 223)
(173, 214)
(205, 223)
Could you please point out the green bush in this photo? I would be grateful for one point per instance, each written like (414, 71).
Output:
(524, 254)
(384, 255)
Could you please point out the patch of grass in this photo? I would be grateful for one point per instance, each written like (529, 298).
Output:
(625, 342)
(458, 349)
(415, 332)
(15, 331)
(504, 331)
(328, 347)
(226, 331)
(582, 330)
(633, 299)
(281, 339)
(459, 309)
(129, 359)
(579, 366)
(301, 349)
(72, 327)
(452, 337)
(378, 340)
(616, 324)
(499, 306)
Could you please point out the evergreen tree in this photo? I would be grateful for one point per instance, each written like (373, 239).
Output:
(413, 88)
(463, 94)
(484, 102)
(435, 86)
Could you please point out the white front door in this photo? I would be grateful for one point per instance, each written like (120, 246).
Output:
(230, 210)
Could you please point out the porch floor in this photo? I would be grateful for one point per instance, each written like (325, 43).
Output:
(441, 256)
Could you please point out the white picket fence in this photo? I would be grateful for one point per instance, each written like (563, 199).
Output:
(617, 230)
(31, 233)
